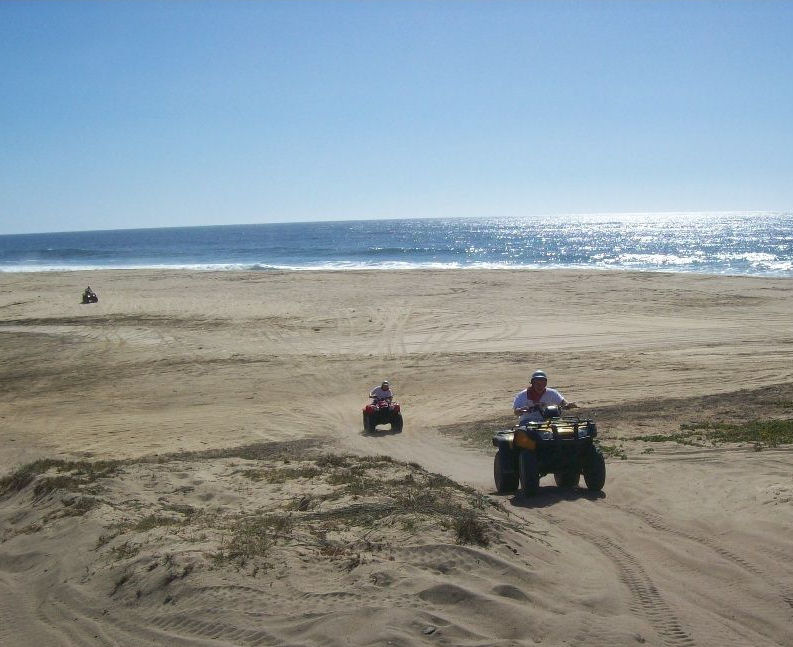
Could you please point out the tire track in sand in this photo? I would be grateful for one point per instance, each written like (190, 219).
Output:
(648, 600)
(657, 523)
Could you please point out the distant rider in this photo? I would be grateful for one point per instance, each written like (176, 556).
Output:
(526, 402)
(88, 294)
(382, 392)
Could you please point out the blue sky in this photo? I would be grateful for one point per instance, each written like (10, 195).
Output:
(149, 114)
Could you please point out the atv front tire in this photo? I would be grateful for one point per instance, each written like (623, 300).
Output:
(368, 425)
(396, 422)
(594, 469)
(505, 481)
(529, 473)
(568, 479)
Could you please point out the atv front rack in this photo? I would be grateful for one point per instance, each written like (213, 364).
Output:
(559, 429)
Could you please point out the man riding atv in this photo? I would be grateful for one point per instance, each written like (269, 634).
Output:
(382, 392)
(546, 442)
(382, 409)
(527, 402)
(89, 296)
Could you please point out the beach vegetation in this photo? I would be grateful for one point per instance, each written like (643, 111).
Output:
(300, 503)
(125, 550)
(479, 433)
(181, 508)
(154, 521)
(78, 506)
(20, 478)
(275, 450)
(355, 483)
(333, 460)
(252, 537)
(120, 581)
(471, 530)
(49, 484)
(69, 475)
(769, 432)
(613, 451)
(409, 525)
(344, 507)
(440, 481)
(281, 475)
(766, 433)
(680, 437)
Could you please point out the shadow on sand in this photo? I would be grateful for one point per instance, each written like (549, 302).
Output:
(380, 432)
(550, 495)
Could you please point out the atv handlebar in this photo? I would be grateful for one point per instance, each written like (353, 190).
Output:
(543, 407)
(534, 407)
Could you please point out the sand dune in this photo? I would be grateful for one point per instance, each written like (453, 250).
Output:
(209, 483)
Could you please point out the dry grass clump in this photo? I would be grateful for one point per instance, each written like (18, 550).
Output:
(281, 475)
(70, 475)
(75, 481)
(154, 521)
(613, 451)
(253, 537)
(23, 476)
(48, 484)
(471, 530)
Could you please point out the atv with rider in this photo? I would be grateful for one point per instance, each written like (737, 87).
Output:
(382, 411)
(558, 445)
(89, 296)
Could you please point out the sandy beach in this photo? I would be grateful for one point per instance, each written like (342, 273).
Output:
(208, 480)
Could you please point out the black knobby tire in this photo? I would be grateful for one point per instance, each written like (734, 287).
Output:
(529, 473)
(568, 479)
(396, 422)
(594, 469)
(505, 481)
(368, 425)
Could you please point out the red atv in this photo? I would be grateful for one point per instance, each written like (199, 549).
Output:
(382, 412)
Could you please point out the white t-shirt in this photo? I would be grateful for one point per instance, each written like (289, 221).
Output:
(380, 394)
(551, 396)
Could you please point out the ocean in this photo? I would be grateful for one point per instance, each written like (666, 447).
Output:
(758, 244)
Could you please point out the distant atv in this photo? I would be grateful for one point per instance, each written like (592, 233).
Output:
(562, 446)
(382, 412)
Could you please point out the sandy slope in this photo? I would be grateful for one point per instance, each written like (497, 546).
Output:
(687, 545)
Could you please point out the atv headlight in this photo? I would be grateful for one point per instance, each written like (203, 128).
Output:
(583, 432)
(546, 435)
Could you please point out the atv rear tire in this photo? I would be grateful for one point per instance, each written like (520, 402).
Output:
(505, 481)
(396, 422)
(529, 473)
(568, 479)
(594, 469)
